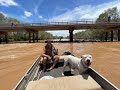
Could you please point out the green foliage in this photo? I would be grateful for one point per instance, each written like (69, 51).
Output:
(11, 35)
(45, 35)
(22, 36)
(2, 18)
(113, 12)
(12, 20)
(100, 34)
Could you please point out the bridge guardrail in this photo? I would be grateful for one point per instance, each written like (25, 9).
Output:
(55, 23)
(46, 23)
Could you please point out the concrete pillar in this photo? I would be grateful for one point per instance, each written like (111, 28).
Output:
(6, 37)
(71, 34)
(0, 39)
(25, 36)
(29, 37)
(33, 37)
(118, 35)
(37, 36)
(106, 34)
(111, 35)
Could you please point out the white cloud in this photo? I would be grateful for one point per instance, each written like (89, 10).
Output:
(86, 12)
(83, 12)
(8, 3)
(37, 6)
(40, 17)
(27, 14)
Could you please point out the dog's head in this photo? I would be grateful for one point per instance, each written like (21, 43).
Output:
(86, 60)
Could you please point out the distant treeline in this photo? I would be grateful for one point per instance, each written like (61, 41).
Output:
(22, 36)
(86, 35)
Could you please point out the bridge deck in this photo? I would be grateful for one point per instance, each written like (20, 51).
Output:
(77, 25)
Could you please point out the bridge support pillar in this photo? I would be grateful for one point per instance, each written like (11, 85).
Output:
(37, 36)
(0, 38)
(71, 34)
(106, 35)
(29, 37)
(6, 37)
(118, 35)
(33, 37)
(111, 35)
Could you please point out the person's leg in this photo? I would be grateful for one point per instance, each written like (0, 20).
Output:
(44, 63)
(56, 59)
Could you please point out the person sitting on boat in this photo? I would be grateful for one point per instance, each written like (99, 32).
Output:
(49, 53)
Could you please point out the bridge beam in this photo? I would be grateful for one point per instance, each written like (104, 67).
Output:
(106, 35)
(71, 34)
(111, 35)
(33, 37)
(6, 37)
(118, 35)
(0, 38)
(37, 36)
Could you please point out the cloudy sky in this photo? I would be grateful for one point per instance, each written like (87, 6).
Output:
(55, 10)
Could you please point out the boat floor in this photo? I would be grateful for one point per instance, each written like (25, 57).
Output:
(57, 72)
(71, 81)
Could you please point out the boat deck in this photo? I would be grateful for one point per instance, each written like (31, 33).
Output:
(71, 81)
(35, 79)
(65, 83)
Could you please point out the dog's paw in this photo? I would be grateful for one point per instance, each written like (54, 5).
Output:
(72, 70)
(63, 74)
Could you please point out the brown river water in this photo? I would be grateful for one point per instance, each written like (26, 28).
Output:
(15, 59)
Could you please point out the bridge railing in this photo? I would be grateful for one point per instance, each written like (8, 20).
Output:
(55, 23)
(62, 23)
(47, 23)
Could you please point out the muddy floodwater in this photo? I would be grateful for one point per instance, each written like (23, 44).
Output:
(15, 59)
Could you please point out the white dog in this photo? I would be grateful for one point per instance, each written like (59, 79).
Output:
(81, 64)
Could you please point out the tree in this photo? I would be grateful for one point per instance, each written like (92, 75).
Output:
(100, 33)
(12, 20)
(2, 18)
(113, 12)
(45, 35)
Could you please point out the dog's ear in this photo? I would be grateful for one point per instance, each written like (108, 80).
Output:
(82, 56)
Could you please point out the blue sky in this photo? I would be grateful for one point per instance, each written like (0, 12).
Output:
(55, 10)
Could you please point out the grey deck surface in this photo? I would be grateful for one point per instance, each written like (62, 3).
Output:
(57, 72)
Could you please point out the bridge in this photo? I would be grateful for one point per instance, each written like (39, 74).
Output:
(34, 28)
